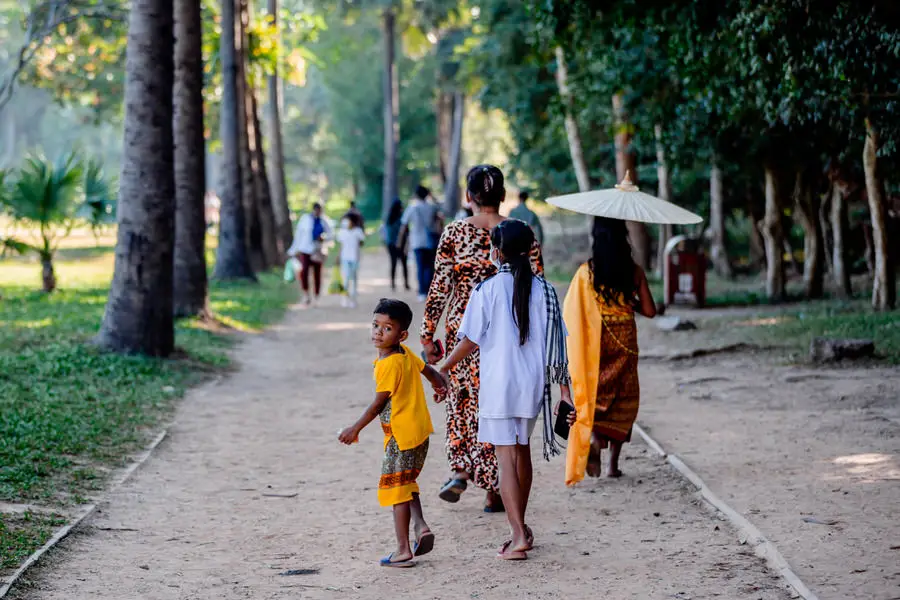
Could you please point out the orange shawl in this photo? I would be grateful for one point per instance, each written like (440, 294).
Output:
(583, 315)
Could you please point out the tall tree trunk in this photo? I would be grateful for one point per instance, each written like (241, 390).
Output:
(451, 190)
(840, 226)
(884, 283)
(391, 112)
(190, 286)
(582, 173)
(773, 234)
(277, 179)
(665, 193)
(272, 247)
(626, 162)
(825, 226)
(444, 109)
(755, 216)
(232, 261)
(717, 248)
(138, 316)
(807, 203)
(248, 185)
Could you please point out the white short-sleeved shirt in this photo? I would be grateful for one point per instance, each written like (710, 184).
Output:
(350, 240)
(512, 376)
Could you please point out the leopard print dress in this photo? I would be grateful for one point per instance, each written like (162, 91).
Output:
(463, 262)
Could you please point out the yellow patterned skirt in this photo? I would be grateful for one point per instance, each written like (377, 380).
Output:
(399, 470)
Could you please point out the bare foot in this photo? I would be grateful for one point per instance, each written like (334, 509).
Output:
(509, 552)
(613, 473)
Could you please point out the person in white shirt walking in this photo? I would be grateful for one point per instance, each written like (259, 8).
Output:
(514, 319)
(313, 229)
(351, 238)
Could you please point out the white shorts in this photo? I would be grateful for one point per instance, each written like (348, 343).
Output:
(505, 432)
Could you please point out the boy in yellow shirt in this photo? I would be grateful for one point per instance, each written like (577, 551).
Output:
(400, 404)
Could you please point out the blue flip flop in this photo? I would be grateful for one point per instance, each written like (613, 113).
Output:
(400, 564)
(424, 544)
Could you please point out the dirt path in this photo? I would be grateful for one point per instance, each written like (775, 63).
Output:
(810, 455)
(251, 484)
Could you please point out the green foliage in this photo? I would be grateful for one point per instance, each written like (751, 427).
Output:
(47, 195)
(100, 196)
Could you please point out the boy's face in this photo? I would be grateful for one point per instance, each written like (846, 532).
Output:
(386, 332)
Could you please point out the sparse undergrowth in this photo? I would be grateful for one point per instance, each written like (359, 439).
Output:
(70, 414)
(20, 535)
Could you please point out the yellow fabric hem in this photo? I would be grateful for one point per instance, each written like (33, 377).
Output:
(397, 495)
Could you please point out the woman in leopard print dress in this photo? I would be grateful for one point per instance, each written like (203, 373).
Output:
(463, 261)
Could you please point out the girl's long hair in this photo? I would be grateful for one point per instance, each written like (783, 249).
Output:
(612, 265)
(396, 212)
(515, 239)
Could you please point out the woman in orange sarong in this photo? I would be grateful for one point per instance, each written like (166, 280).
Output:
(603, 353)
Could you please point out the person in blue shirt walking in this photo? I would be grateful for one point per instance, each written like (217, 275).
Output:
(422, 221)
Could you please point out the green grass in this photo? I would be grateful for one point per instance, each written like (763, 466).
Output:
(20, 535)
(70, 413)
(794, 327)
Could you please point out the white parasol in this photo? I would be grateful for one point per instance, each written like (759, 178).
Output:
(627, 203)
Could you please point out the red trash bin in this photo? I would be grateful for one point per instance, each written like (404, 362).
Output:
(684, 275)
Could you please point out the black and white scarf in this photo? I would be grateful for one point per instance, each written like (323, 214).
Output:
(555, 359)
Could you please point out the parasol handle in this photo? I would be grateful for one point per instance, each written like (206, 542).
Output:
(627, 185)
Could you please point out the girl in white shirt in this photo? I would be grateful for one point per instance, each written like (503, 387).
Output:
(351, 239)
(515, 321)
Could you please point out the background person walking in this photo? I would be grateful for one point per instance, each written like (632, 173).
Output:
(313, 229)
(420, 221)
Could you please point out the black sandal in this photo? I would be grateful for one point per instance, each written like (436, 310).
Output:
(452, 490)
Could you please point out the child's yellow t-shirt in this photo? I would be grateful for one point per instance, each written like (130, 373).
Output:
(401, 375)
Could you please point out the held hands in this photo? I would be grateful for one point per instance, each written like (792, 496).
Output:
(441, 394)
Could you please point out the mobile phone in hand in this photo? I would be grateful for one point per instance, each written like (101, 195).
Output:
(439, 346)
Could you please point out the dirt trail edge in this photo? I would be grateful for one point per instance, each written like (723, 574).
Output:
(251, 496)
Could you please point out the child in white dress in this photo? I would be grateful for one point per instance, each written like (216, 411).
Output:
(514, 319)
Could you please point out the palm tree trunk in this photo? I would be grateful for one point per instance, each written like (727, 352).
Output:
(582, 173)
(273, 250)
(248, 185)
(626, 162)
(138, 316)
(451, 190)
(717, 249)
(48, 276)
(391, 112)
(231, 256)
(277, 179)
(884, 283)
(773, 234)
(190, 285)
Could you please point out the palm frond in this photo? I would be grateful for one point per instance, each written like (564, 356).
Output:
(100, 194)
(45, 193)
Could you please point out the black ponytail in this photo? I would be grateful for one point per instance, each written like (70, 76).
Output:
(485, 185)
(514, 239)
